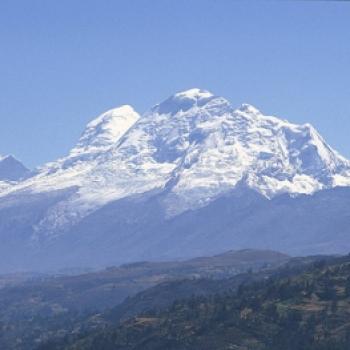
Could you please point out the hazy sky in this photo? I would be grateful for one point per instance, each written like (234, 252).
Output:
(64, 62)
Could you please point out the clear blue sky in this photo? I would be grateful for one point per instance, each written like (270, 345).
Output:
(64, 62)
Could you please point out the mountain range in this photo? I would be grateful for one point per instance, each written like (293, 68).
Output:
(192, 176)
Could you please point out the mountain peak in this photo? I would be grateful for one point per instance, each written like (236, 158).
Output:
(106, 129)
(109, 117)
(12, 169)
(247, 108)
(183, 101)
(195, 94)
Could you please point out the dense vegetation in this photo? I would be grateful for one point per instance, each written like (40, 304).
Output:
(308, 310)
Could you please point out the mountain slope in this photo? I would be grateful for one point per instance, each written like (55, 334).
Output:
(138, 229)
(304, 311)
(132, 180)
(46, 306)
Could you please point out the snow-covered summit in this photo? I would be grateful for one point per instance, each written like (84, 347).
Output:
(183, 101)
(193, 94)
(99, 136)
(105, 130)
(192, 147)
(249, 109)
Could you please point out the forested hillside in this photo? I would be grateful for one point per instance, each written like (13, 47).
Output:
(309, 310)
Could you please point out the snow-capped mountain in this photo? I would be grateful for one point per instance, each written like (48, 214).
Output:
(196, 146)
(187, 151)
